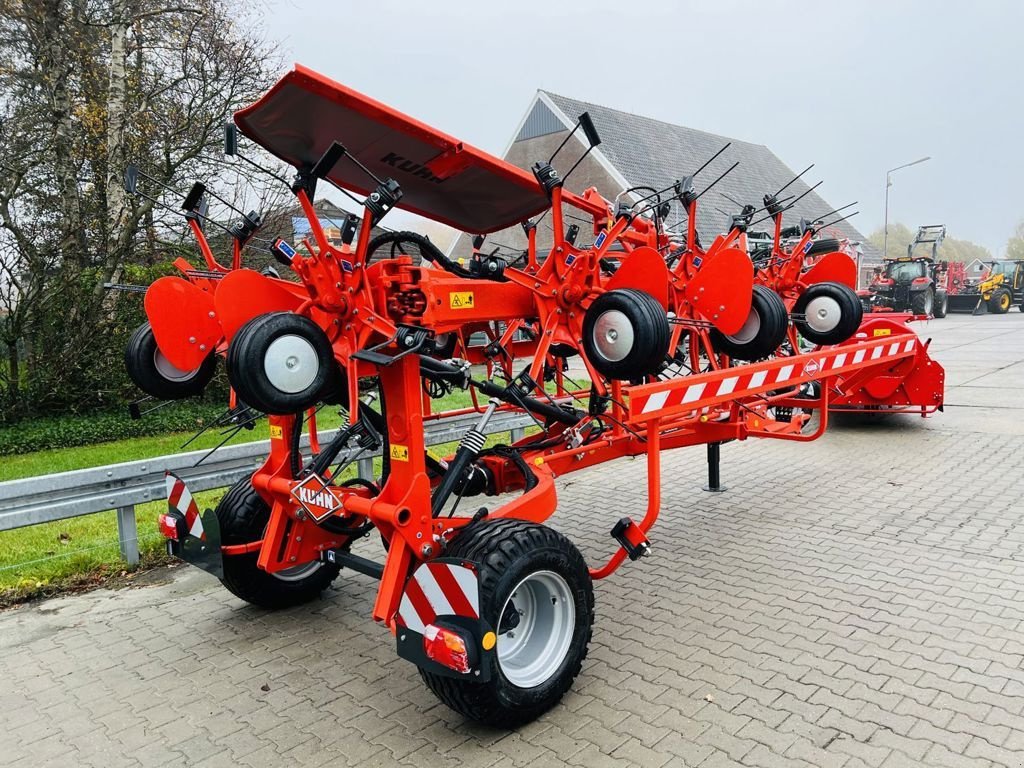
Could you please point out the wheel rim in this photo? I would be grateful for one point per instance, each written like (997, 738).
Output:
(543, 618)
(291, 363)
(298, 572)
(823, 314)
(1004, 301)
(613, 335)
(169, 371)
(751, 327)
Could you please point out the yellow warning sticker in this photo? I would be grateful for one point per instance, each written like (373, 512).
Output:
(883, 332)
(400, 452)
(460, 299)
(276, 433)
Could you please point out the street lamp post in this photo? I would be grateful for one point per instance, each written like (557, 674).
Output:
(888, 183)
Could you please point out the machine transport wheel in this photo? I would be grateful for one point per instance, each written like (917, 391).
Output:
(626, 334)
(535, 588)
(831, 313)
(243, 515)
(1000, 302)
(941, 306)
(155, 375)
(762, 332)
(282, 363)
(923, 302)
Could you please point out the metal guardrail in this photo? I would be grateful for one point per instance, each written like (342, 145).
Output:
(46, 498)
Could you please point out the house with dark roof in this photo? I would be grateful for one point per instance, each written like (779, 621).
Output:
(637, 150)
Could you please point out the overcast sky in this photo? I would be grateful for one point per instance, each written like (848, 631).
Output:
(856, 87)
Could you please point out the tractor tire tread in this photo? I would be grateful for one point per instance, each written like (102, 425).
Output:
(496, 547)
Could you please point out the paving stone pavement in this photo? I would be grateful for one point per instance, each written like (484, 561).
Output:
(853, 602)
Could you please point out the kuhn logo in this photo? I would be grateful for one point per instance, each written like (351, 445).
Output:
(314, 497)
(408, 166)
(811, 368)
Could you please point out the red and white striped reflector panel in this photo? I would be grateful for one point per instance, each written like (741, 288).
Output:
(179, 498)
(439, 589)
(675, 396)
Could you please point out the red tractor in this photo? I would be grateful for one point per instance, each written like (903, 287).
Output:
(916, 284)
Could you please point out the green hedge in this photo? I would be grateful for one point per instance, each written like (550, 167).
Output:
(72, 430)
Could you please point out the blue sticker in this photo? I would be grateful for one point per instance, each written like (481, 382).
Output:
(697, 261)
(286, 249)
(569, 260)
(808, 246)
(346, 265)
(600, 240)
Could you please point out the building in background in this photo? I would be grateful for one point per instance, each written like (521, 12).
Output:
(637, 151)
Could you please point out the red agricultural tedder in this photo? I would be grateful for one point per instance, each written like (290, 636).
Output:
(492, 605)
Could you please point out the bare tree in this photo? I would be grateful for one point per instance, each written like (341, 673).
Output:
(87, 86)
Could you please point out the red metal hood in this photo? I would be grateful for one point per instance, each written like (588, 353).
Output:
(441, 177)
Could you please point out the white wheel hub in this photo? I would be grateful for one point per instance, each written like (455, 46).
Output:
(532, 651)
(169, 371)
(613, 335)
(751, 327)
(298, 572)
(291, 363)
(823, 314)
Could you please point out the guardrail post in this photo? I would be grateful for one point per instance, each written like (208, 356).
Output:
(365, 467)
(517, 434)
(128, 534)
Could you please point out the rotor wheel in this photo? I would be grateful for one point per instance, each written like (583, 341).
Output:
(762, 332)
(626, 334)
(157, 376)
(243, 516)
(536, 590)
(828, 313)
(825, 245)
(282, 363)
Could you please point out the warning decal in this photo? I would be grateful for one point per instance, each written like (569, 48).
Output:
(399, 452)
(460, 299)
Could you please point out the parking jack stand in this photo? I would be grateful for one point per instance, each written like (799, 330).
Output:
(714, 465)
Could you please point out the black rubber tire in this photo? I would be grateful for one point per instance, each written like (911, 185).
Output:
(245, 363)
(996, 305)
(941, 304)
(825, 245)
(774, 322)
(140, 360)
(506, 551)
(923, 302)
(650, 334)
(851, 312)
(243, 516)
